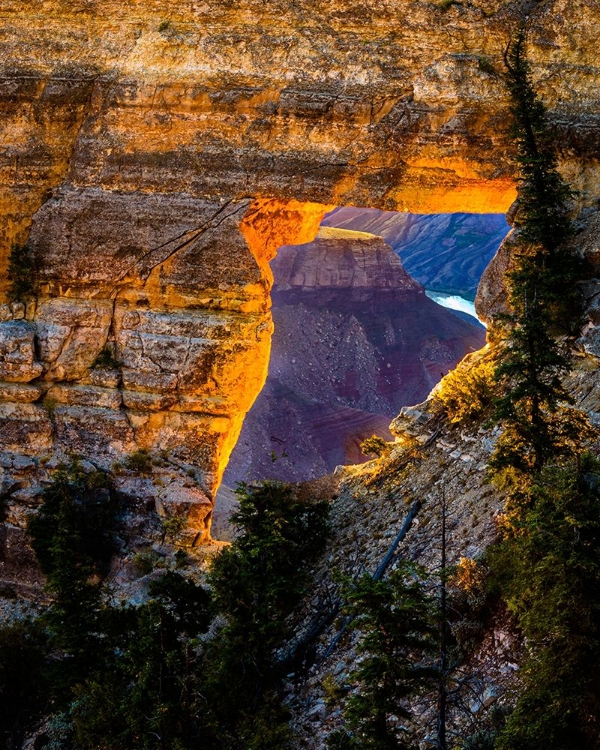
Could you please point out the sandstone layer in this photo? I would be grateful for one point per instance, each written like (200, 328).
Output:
(155, 157)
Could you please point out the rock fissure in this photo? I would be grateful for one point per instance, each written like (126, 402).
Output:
(146, 269)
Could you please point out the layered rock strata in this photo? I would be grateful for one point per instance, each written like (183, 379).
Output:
(446, 253)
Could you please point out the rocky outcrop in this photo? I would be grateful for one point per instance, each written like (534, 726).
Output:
(492, 292)
(447, 470)
(355, 339)
(156, 156)
(358, 263)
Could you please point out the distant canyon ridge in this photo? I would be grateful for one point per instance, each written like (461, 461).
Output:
(443, 252)
(356, 338)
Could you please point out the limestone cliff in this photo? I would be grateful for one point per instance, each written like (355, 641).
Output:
(155, 156)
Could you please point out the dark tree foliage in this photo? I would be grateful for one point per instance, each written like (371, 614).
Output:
(78, 505)
(71, 536)
(256, 582)
(549, 573)
(543, 194)
(397, 619)
(22, 274)
(40, 661)
(123, 677)
(544, 297)
(147, 693)
(548, 565)
(148, 676)
(23, 687)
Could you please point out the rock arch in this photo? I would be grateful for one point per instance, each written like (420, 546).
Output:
(155, 164)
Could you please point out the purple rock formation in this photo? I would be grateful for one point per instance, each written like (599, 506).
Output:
(356, 338)
(444, 252)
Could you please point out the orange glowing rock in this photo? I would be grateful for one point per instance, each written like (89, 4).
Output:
(271, 223)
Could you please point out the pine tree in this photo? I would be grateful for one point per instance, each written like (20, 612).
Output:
(543, 295)
(147, 694)
(543, 194)
(256, 582)
(396, 617)
(71, 536)
(549, 573)
(548, 564)
(120, 677)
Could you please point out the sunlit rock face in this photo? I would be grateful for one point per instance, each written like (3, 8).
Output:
(355, 339)
(156, 155)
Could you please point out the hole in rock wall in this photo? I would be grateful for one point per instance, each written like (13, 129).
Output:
(368, 317)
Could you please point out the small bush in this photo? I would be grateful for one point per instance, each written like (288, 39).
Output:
(484, 739)
(164, 26)
(145, 560)
(182, 559)
(375, 446)
(49, 405)
(334, 692)
(172, 527)
(467, 393)
(340, 739)
(22, 274)
(468, 575)
(407, 452)
(140, 461)
(59, 732)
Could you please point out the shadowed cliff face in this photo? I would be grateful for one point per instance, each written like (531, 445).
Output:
(155, 156)
(355, 340)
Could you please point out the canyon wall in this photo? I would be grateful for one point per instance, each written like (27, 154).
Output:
(154, 157)
(355, 340)
(446, 253)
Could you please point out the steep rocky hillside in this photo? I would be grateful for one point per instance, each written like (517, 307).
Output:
(355, 340)
(372, 502)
